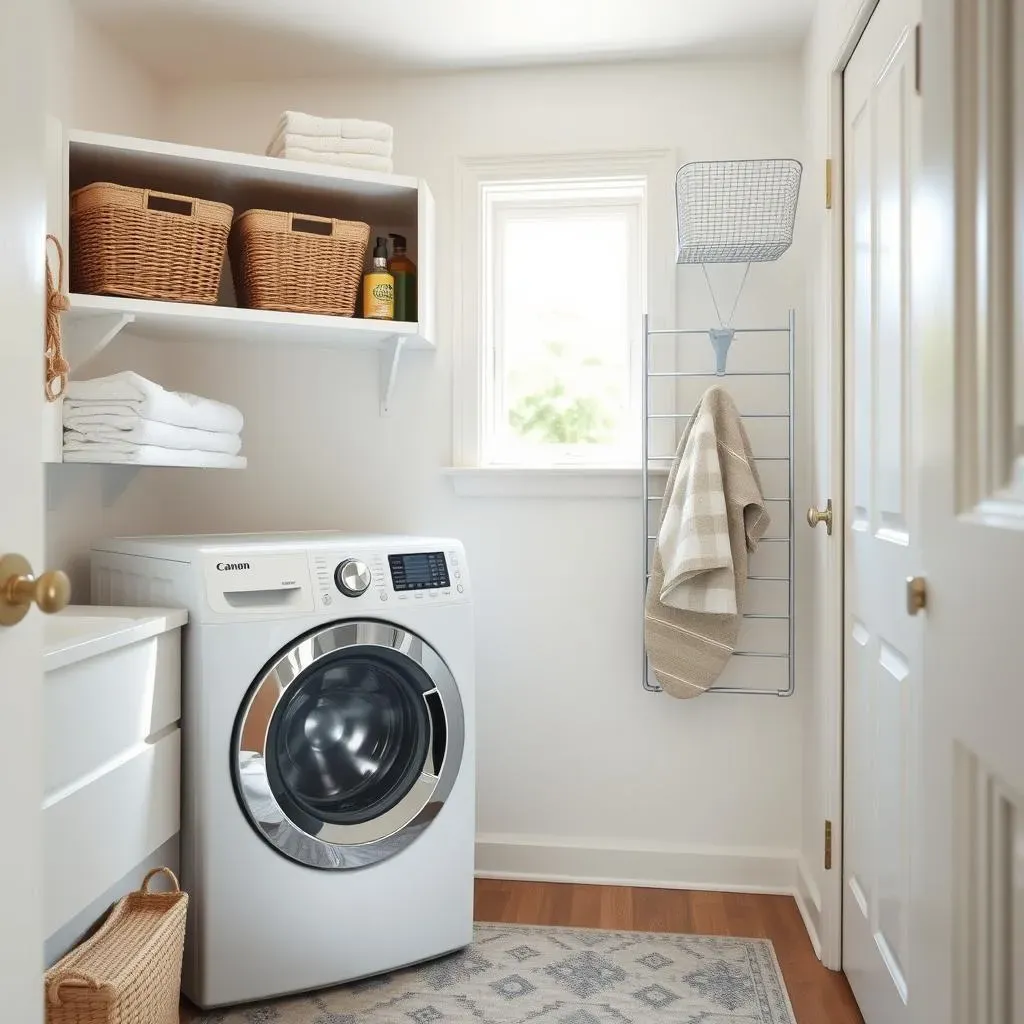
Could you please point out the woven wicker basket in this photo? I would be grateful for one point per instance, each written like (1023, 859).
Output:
(129, 972)
(146, 244)
(296, 263)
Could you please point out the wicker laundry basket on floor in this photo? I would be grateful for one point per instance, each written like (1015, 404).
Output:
(129, 972)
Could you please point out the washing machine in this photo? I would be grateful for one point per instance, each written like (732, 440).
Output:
(328, 751)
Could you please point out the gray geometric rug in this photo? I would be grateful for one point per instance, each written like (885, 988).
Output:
(514, 974)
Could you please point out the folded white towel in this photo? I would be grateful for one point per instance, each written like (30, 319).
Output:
(152, 402)
(358, 160)
(328, 144)
(339, 127)
(98, 429)
(149, 455)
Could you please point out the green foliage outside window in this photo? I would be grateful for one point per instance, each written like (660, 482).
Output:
(551, 416)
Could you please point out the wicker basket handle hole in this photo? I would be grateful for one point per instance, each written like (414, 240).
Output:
(164, 203)
(166, 872)
(73, 979)
(313, 225)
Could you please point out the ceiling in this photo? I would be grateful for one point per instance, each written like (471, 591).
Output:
(212, 40)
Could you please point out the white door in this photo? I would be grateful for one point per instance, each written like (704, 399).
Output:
(968, 857)
(22, 227)
(882, 643)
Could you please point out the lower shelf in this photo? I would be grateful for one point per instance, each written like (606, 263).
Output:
(229, 461)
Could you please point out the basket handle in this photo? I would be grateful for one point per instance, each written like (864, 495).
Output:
(168, 202)
(166, 872)
(310, 225)
(69, 976)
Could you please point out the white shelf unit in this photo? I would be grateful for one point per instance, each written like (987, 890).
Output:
(388, 202)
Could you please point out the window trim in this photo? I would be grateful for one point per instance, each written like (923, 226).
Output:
(470, 369)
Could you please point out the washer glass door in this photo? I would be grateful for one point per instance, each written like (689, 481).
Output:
(348, 745)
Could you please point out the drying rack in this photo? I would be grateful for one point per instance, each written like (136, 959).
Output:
(647, 374)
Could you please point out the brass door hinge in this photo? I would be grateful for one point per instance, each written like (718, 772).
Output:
(828, 845)
(828, 184)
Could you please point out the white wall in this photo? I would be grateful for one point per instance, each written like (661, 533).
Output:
(581, 772)
(91, 84)
(94, 85)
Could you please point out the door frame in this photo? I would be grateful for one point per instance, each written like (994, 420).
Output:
(853, 21)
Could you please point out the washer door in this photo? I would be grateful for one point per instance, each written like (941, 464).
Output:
(348, 746)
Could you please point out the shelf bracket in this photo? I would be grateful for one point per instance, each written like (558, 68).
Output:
(390, 355)
(86, 337)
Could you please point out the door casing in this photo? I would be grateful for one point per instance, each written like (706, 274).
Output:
(830, 769)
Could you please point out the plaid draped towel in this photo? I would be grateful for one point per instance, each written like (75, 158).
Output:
(712, 517)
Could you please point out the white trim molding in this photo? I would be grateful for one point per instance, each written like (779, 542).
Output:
(470, 363)
(822, 908)
(554, 482)
(661, 866)
(548, 482)
(808, 901)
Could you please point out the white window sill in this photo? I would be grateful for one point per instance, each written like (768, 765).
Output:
(547, 481)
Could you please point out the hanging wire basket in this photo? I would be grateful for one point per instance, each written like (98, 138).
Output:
(736, 211)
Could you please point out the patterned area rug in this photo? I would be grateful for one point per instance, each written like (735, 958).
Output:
(513, 974)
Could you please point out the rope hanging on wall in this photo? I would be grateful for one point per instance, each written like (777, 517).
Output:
(57, 368)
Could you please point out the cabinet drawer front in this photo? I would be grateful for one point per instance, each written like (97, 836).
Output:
(96, 710)
(96, 832)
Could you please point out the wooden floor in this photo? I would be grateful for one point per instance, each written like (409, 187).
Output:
(819, 996)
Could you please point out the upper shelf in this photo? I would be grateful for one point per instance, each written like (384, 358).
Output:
(244, 180)
(388, 202)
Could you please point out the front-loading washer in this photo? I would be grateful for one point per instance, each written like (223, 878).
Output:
(328, 751)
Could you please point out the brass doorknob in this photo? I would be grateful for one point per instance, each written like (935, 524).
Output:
(917, 594)
(816, 516)
(51, 592)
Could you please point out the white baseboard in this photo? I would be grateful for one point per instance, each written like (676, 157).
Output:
(597, 862)
(808, 901)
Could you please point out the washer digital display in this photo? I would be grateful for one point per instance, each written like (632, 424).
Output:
(421, 571)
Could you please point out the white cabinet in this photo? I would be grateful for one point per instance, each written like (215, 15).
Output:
(112, 749)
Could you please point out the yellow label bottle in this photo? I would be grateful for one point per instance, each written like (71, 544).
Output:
(379, 286)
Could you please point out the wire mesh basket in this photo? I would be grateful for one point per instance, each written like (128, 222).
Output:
(736, 211)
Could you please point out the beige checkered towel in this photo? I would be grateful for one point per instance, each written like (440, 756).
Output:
(712, 517)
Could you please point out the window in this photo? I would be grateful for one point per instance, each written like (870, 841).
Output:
(554, 272)
(562, 300)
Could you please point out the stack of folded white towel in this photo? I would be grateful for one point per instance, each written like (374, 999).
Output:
(127, 418)
(343, 141)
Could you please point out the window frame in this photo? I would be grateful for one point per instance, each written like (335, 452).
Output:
(473, 368)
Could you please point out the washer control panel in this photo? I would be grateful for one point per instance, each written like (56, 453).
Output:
(344, 580)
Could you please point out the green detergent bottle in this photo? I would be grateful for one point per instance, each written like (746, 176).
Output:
(403, 270)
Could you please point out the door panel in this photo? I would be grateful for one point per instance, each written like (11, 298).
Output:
(968, 911)
(22, 228)
(883, 643)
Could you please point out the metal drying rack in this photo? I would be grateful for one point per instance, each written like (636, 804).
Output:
(648, 416)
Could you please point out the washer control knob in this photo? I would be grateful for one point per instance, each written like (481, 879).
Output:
(352, 577)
